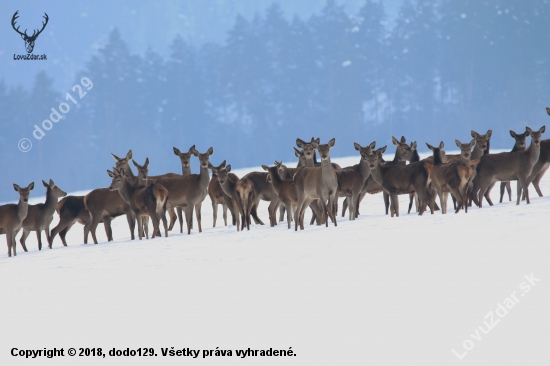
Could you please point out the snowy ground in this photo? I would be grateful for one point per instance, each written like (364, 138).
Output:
(377, 291)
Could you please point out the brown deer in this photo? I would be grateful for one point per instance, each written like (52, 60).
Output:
(542, 165)
(144, 201)
(218, 196)
(40, 216)
(12, 216)
(189, 191)
(318, 183)
(450, 177)
(228, 181)
(400, 179)
(244, 197)
(351, 180)
(519, 145)
(104, 204)
(507, 167)
(284, 188)
(71, 209)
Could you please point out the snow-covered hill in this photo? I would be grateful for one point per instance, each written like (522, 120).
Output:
(376, 291)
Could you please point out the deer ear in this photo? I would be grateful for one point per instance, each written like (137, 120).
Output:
(473, 143)
(146, 162)
(136, 164)
(414, 145)
(222, 165)
(332, 142)
(542, 129)
(403, 140)
(317, 140)
(266, 168)
(16, 187)
(300, 143)
(52, 183)
(177, 151)
(528, 130)
(372, 145)
(111, 174)
(474, 134)
(458, 143)
(357, 146)
(382, 150)
(228, 168)
(45, 184)
(192, 148)
(394, 141)
(296, 152)
(210, 151)
(441, 145)
(489, 133)
(116, 157)
(210, 166)
(513, 134)
(31, 186)
(430, 146)
(129, 155)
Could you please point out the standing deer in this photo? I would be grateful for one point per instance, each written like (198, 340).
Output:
(218, 196)
(12, 216)
(284, 188)
(228, 181)
(104, 204)
(351, 180)
(40, 216)
(144, 201)
(542, 165)
(399, 179)
(319, 183)
(452, 177)
(189, 191)
(71, 209)
(519, 145)
(508, 166)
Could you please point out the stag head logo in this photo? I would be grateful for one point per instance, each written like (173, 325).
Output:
(29, 40)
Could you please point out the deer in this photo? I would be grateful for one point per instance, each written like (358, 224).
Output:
(104, 204)
(519, 145)
(218, 196)
(318, 183)
(40, 216)
(542, 165)
(71, 209)
(283, 187)
(244, 197)
(149, 200)
(228, 182)
(508, 166)
(189, 191)
(399, 179)
(12, 216)
(351, 180)
(29, 40)
(450, 177)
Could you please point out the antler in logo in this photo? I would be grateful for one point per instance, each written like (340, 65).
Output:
(29, 40)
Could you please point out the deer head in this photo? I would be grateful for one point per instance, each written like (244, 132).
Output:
(29, 40)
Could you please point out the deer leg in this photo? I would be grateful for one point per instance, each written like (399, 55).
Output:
(61, 226)
(386, 197)
(344, 207)
(107, 225)
(39, 238)
(395, 204)
(288, 214)
(188, 217)
(333, 204)
(272, 209)
(224, 210)
(282, 213)
(62, 235)
(23, 239)
(198, 207)
(131, 222)
(173, 217)
(522, 185)
(11, 242)
(214, 212)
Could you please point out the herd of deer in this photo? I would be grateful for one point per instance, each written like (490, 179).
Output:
(468, 177)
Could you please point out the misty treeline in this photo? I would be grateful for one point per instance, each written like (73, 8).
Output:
(443, 68)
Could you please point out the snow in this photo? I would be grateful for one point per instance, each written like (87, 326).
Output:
(376, 291)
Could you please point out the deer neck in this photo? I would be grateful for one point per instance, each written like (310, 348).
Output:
(477, 153)
(51, 201)
(534, 153)
(127, 191)
(185, 170)
(276, 181)
(228, 186)
(309, 163)
(378, 173)
(437, 158)
(22, 209)
(204, 177)
(415, 157)
(364, 168)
